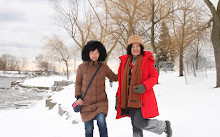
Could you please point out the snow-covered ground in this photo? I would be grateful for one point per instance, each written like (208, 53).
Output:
(12, 74)
(43, 81)
(193, 110)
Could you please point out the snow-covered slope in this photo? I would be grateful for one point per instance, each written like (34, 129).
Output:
(193, 110)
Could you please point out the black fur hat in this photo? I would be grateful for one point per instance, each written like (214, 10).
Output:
(91, 46)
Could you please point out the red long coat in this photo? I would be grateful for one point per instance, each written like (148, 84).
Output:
(150, 75)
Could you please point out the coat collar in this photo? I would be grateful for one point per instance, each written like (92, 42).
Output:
(147, 55)
(93, 63)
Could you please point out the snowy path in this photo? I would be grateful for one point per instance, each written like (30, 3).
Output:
(193, 110)
(34, 122)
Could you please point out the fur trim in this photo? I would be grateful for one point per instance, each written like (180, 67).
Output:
(154, 56)
(91, 46)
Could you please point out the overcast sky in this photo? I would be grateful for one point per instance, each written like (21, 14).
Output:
(23, 24)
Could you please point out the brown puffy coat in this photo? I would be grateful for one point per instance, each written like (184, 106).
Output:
(96, 100)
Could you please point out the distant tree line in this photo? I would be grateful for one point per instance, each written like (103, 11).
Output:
(12, 63)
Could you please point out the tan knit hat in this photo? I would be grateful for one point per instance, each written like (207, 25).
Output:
(135, 39)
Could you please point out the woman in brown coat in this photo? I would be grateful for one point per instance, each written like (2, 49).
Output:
(95, 103)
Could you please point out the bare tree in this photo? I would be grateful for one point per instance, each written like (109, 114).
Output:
(42, 62)
(102, 29)
(89, 24)
(21, 64)
(128, 18)
(9, 61)
(201, 38)
(59, 52)
(184, 27)
(2, 64)
(215, 36)
(77, 25)
(138, 17)
(160, 10)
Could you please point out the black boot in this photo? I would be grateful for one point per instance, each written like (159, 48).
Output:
(168, 129)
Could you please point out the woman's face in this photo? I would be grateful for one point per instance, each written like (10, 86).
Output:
(94, 55)
(135, 49)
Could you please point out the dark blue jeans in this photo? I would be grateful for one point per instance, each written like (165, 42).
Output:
(89, 126)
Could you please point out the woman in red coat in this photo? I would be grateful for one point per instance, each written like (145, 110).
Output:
(135, 94)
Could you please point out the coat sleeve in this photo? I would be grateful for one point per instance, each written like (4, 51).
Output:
(119, 80)
(110, 74)
(152, 76)
(78, 82)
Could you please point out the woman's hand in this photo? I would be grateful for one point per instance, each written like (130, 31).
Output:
(80, 102)
(139, 89)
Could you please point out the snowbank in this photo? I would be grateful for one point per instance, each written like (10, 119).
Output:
(44, 81)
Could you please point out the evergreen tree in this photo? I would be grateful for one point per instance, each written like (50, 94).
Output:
(164, 43)
(166, 49)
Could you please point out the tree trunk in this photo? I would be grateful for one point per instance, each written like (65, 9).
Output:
(197, 55)
(181, 61)
(182, 44)
(154, 47)
(216, 45)
(153, 37)
(67, 70)
(215, 36)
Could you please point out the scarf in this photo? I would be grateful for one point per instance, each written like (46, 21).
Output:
(131, 99)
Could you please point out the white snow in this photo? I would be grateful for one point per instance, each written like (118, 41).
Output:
(11, 74)
(43, 81)
(193, 110)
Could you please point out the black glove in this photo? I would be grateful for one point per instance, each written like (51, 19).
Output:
(78, 97)
(139, 89)
(110, 82)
